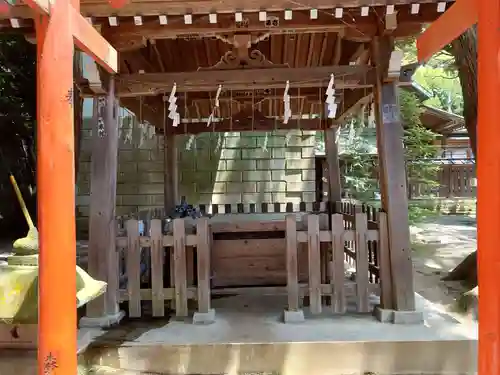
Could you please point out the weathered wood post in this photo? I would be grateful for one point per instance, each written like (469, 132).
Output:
(103, 255)
(392, 177)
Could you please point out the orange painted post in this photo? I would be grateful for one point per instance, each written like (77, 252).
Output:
(56, 195)
(488, 198)
(488, 169)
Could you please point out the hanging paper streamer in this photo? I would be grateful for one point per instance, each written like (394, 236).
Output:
(266, 140)
(216, 106)
(288, 136)
(172, 108)
(371, 116)
(330, 98)
(286, 101)
(189, 143)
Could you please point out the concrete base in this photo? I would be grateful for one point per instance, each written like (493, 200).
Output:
(102, 321)
(249, 336)
(204, 318)
(293, 316)
(398, 317)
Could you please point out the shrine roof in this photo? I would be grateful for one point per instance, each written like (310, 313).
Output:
(251, 48)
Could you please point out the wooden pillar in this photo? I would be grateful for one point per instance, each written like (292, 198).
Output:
(171, 175)
(103, 256)
(56, 194)
(332, 161)
(394, 195)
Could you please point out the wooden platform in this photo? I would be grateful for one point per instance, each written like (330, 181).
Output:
(249, 337)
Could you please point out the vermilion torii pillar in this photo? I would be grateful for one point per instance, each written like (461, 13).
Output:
(462, 15)
(59, 25)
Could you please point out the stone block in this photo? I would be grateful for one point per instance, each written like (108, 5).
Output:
(241, 187)
(151, 177)
(127, 177)
(133, 200)
(85, 156)
(293, 175)
(293, 153)
(125, 155)
(256, 198)
(307, 152)
(83, 211)
(271, 164)
(84, 167)
(300, 186)
(83, 200)
(293, 316)
(228, 176)
(271, 186)
(309, 197)
(195, 176)
(257, 176)
(279, 153)
(204, 318)
(83, 187)
(300, 164)
(308, 175)
(272, 141)
(157, 200)
(156, 155)
(150, 189)
(279, 197)
(150, 166)
(256, 153)
(240, 142)
(127, 188)
(226, 198)
(240, 165)
(230, 153)
(216, 187)
(128, 167)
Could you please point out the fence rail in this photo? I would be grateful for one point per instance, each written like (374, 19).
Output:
(176, 260)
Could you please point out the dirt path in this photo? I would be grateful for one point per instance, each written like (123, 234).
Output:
(438, 246)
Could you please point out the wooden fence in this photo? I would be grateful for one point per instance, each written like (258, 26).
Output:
(180, 269)
(452, 181)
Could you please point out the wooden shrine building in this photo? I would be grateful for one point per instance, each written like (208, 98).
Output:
(188, 67)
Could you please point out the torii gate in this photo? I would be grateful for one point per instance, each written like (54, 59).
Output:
(462, 15)
(59, 25)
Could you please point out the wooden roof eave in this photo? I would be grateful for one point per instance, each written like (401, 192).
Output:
(98, 8)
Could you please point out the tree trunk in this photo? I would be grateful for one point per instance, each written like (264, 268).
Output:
(464, 50)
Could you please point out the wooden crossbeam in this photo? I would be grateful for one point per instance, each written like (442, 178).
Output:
(85, 36)
(262, 124)
(90, 41)
(458, 18)
(242, 79)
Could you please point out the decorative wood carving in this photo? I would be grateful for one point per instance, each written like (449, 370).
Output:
(240, 57)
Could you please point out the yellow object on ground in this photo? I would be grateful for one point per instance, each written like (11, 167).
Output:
(19, 292)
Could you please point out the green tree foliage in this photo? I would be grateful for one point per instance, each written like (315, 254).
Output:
(17, 124)
(359, 175)
(439, 77)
